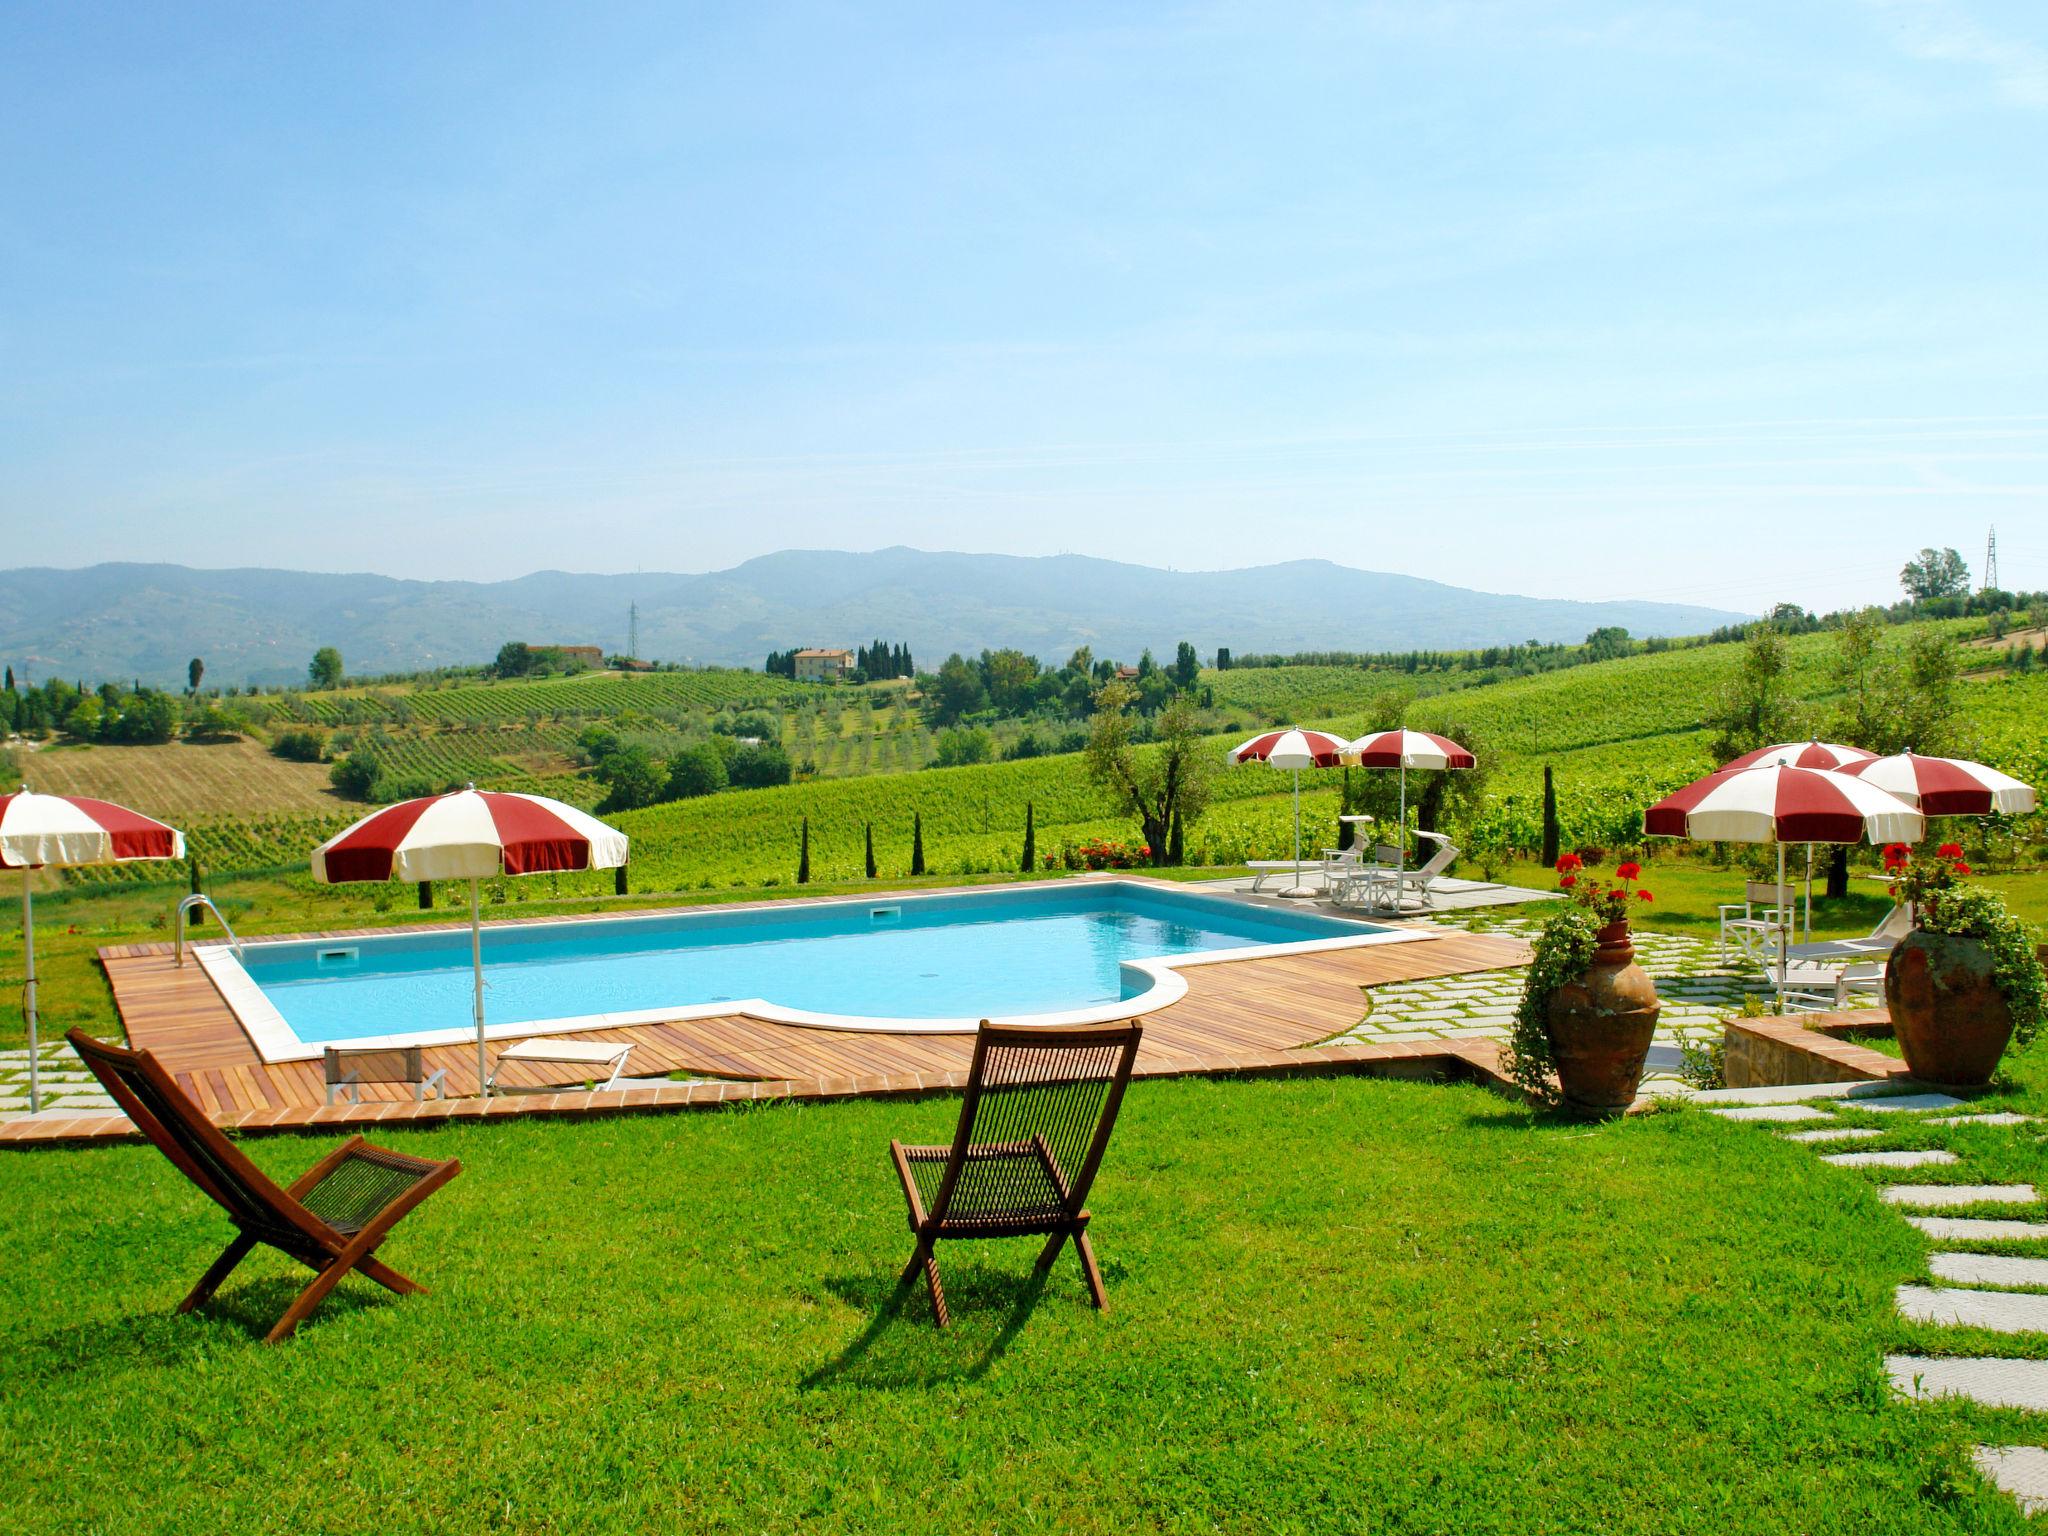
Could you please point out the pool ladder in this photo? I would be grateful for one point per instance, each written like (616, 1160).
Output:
(197, 899)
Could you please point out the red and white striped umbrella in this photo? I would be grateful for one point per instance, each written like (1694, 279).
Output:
(1802, 754)
(1295, 750)
(1404, 750)
(1407, 749)
(1290, 749)
(1774, 803)
(65, 832)
(1946, 786)
(470, 834)
(1777, 804)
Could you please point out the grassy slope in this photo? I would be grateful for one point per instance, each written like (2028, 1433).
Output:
(1336, 1306)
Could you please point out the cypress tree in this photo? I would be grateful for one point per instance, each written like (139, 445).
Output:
(1549, 818)
(1030, 841)
(1347, 832)
(917, 843)
(1175, 851)
(198, 913)
(803, 858)
(871, 850)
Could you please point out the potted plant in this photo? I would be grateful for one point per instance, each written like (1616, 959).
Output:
(1966, 982)
(1588, 1010)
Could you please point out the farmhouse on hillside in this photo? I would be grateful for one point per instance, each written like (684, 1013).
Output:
(823, 665)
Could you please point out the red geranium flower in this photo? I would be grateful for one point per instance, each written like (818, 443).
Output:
(1962, 868)
(1895, 851)
(1630, 870)
(1568, 880)
(1642, 895)
(1567, 862)
(1950, 850)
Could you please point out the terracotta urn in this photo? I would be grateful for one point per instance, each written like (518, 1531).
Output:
(1951, 1020)
(1600, 1027)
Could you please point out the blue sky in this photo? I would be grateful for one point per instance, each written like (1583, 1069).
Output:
(1723, 303)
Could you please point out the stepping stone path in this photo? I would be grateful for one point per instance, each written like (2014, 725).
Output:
(1996, 1292)
(1926, 1157)
(1987, 1269)
(1967, 1229)
(2021, 1470)
(67, 1083)
(1938, 1195)
(2000, 1311)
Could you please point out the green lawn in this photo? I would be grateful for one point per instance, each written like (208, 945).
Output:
(1338, 1305)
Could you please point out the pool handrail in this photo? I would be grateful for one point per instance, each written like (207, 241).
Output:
(200, 899)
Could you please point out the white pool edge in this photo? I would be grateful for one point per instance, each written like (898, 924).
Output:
(276, 1041)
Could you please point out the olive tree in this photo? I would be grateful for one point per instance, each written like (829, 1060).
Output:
(1165, 785)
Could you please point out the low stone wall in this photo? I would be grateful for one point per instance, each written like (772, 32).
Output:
(1776, 1053)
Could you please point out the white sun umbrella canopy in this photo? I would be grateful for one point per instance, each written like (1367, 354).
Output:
(1774, 803)
(1947, 786)
(1404, 750)
(472, 835)
(1293, 750)
(68, 832)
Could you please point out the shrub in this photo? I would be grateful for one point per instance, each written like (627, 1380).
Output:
(303, 745)
(698, 770)
(356, 775)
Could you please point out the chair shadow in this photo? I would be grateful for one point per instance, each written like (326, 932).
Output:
(167, 1339)
(899, 1347)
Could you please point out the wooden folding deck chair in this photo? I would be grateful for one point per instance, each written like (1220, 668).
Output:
(1039, 1108)
(331, 1218)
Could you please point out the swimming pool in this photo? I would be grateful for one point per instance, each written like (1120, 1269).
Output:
(1064, 952)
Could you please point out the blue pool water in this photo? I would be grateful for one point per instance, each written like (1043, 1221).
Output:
(1000, 953)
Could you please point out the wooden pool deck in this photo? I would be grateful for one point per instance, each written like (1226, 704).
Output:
(1263, 1014)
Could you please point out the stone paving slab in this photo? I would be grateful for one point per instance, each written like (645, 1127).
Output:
(2020, 1470)
(1773, 1112)
(1834, 1133)
(1991, 1269)
(1992, 1382)
(1917, 1101)
(1799, 1093)
(2000, 1311)
(1920, 1159)
(2003, 1117)
(1978, 1229)
(1936, 1196)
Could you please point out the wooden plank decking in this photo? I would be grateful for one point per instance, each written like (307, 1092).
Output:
(1235, 1016)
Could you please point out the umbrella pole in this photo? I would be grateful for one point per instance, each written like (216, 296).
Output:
(1401, 842)
(28, 991)
(476, 960)
(1809, 893)
(1297, 828)
(1784, 958)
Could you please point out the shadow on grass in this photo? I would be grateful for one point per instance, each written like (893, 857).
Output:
(168, 1338)
(900, 1348)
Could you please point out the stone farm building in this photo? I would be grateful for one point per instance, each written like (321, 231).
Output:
(823, 665)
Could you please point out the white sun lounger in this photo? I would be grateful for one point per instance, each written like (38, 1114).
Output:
(1270, 869)
(568, 1053)
(1878, 942)
(1810, 985)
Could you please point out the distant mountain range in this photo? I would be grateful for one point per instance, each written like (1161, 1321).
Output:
(261, 626)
